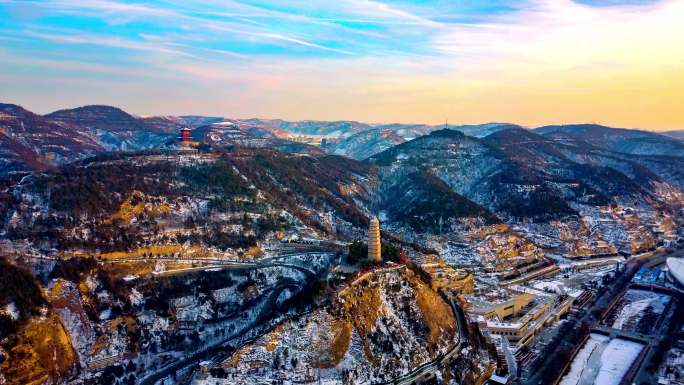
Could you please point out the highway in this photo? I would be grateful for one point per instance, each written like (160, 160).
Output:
(213, 348)
(267, 307)
(222, 347)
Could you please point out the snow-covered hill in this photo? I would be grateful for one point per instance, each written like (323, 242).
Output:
(622, 140)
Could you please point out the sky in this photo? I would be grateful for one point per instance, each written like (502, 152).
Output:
(531, 62)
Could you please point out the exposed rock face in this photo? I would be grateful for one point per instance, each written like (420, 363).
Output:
(42, 354)
(34, 345)
(381, 327)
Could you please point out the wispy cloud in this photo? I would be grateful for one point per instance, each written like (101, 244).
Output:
(530, 61)
(107, 41)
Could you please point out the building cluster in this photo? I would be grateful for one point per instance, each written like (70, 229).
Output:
(445, 277)
(521, 315)
(591, 248)
(313, 140)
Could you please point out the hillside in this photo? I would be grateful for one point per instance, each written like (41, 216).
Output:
(366, 143)
(32, 142)
(242, 196)
(308, 127)
(517, 173)
(98, 118)
(643, 169)
(238, 254)
(373, 140)
(34, 345)
(29, 141)
(622, 140)
(427, 204)
(552, 162)
(382, 326)
(473, 169)
(118, 130)
(677, 134)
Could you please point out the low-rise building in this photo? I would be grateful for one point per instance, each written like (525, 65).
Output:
(522, 317)
(443, 276)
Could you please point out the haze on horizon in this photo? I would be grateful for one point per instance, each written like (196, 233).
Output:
(531, 62)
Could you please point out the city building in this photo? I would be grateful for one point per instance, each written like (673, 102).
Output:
(443, 276)
(522, 317)
(374, 245)
(501, 309)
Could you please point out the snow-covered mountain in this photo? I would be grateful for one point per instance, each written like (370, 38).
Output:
(240, 254)
(623, 140)
(29, 141)
(677, 134)
(513, 173)
(115, 129)
(366, 143)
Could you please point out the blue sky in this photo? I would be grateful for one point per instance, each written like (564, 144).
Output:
(213, 30)
(346, 59)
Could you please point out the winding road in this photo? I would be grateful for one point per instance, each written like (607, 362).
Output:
(428, 369)
(267, 307)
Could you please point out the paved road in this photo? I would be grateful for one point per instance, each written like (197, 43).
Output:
(210, 350)
(224, 264)
(266, 310)
(252, 266)
(428, 369)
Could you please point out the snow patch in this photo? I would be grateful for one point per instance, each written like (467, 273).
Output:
(11, 311)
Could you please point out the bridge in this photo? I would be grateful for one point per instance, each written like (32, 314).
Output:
(250, 332)
(671, 291)
(290, 260)
(645, 339)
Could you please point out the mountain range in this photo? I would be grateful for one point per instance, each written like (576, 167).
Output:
(34, 142)
(117, 221)
(513, 173)
(427, 178)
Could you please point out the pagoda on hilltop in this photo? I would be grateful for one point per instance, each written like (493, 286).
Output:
(374, 245)
(185, 136)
